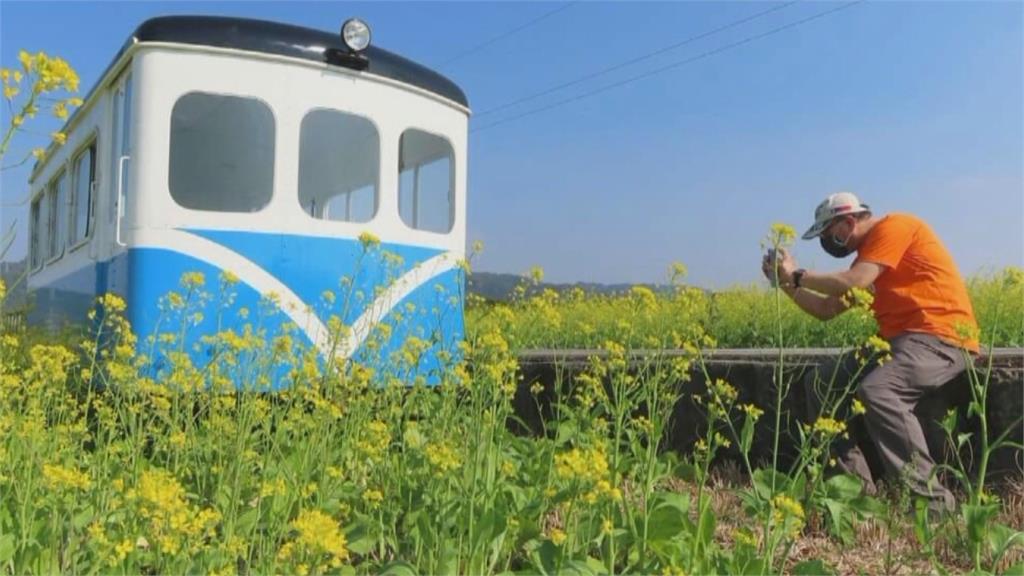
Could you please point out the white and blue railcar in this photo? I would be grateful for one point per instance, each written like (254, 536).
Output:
(262, 149)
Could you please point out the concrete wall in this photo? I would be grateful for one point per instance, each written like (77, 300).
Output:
(752, 373)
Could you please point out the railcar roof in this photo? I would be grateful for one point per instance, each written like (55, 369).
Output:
(293, 41)
(272, 38)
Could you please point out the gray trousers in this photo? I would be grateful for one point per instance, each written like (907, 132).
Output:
(899, 410)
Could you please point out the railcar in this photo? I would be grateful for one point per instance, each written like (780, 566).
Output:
(262, 151)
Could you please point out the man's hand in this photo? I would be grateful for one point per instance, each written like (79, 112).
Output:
(784, 262)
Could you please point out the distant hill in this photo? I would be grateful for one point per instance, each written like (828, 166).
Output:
(498, 286)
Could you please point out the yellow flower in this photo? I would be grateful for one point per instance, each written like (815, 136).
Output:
(744, 536)
(275, 487)
(557, 536)
(373, 497)
(172, 521)
(122, 550)
(58, 477)
(177, 439)
(443, 457)
(858, 298)
(858, 408)
(536, 274)
(10, 92)
(60, 110)
(39, 153)
(607, 526)
(826, 425)
(588, 466)
(753, 411)
(782, 234)
(192, 280)
(317, 535)
(788, 514)
(788, 505)
(369, 240)
(722, 440)
(26, 60)
(59, 137)
(677, 272)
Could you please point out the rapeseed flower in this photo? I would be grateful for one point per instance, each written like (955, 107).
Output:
(318, 538)
(829, 426)
(59, 478)
(557, 536)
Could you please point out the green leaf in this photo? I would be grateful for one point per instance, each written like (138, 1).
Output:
(247, 521)
(6, 547)
(706, 525)
(81, 519)
(812, 568)
(665, 523)
(977, 518)
(922, 528)
(398, 569)
(679, 501)
(843, 487)
(842, 528)
(577, 567)
(1001, 538)
(762, 481)
(963, 438)
(686, 471)
(867, 506)
(360, 541)
(545, 558)
(949, 422)
(747, 434)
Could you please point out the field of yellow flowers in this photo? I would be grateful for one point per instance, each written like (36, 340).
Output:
(738, 317)
(120, 455)
(111, 462)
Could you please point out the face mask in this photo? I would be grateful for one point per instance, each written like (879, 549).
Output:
(833, 247)
(830, 244)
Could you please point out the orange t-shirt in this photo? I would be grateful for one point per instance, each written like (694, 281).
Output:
(920, 289)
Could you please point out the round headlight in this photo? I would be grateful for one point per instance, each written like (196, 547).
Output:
(355, 34)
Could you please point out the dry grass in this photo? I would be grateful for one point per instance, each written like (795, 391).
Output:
(881, 546)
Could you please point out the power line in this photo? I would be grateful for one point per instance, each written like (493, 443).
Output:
(504, 35)
(640, 58)
(701, 56)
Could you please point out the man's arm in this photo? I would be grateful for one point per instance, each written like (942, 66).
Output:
(817, 305)
(860, 275)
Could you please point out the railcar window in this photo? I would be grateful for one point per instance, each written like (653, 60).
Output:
(81, 195)
(425, 181)
(222, 153)
(36, 225)
(339, 164)
(56, 225)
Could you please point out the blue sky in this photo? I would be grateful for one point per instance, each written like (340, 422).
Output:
(915, 106)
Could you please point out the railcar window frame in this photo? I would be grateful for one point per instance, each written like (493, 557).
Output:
(36, 256)
(269, 163)
(350, 116)
(56, 223)
(416, 191)
(91, 146)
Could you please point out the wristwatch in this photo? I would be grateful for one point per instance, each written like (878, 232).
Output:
(797, 275)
